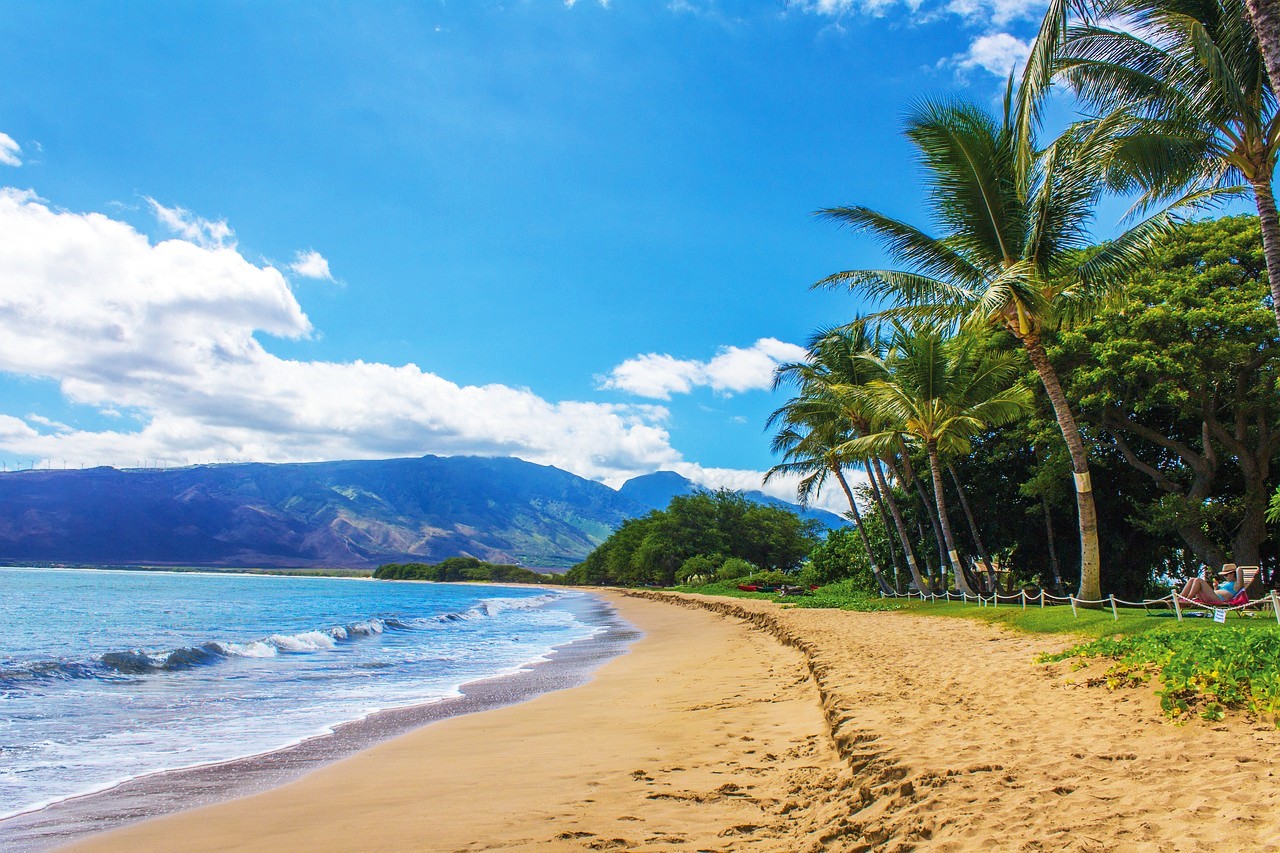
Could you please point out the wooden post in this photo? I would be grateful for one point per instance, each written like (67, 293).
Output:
(1024, 599)
(1041, 598)
(1074, 612)
(1115, 616)
(1177, 607)
(1275, 604)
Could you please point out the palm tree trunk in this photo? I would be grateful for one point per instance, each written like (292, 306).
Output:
(900, 570)
(903, 536)
(929, 509)
(1266, 24)
(1270, 222)
(1090, 553)
(866, 542)
(935, 467)
(1053, 549)
(973, 531)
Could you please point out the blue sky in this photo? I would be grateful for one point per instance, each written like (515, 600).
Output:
(578, 233)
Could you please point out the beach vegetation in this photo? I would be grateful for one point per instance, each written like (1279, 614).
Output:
(1199, 672)
(464, 569)
(1013, 220)
(651, 550)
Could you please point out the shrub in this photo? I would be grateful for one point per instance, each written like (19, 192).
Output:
(734, 568)
(701, 566)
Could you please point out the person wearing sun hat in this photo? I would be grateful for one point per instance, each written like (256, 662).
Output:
(1203, 591)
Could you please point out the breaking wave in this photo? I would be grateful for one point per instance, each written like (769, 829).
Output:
(135, 662)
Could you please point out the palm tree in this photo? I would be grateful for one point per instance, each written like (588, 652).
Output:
(839, 362)
(810, 433)
(1192, 83)
(939, 394)
(1014, 224)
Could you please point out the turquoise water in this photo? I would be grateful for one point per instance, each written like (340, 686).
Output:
(105, 676)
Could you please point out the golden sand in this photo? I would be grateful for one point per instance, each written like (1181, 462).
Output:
(741, 725)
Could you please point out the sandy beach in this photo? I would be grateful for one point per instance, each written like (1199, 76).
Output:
(740, 725)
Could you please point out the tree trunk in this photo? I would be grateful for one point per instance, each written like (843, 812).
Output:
(901, 526)
(900, 570)
(935, 467)
(1087, 512)
(928, 506)
(866, 542)
(973, 531)
(1266, 24)
(1053, 549)
(1269, 220)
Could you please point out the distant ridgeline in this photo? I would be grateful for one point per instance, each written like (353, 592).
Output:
(463, 569)
(355, 514)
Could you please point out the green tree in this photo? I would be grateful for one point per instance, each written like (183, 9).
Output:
(939, 394)
(1013, 221)
(1181, 375)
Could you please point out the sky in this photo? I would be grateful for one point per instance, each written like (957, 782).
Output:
(579, 233)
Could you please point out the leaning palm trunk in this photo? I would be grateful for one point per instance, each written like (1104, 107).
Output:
(1266, 25)
(935, 467)
(885, 587)
(1269, 220)
(973, 531)
(903, 536)
(900, 570)
(1090, 554)
(928, 506)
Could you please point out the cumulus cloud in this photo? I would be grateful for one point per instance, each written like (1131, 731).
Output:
(732, 370)
(10, 151)
(996, 53)
(311, 264)
(165, 333)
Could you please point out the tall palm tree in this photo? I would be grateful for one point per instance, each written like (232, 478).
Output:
(839, 362)
(1014, 221)
(810, 434)
(1191, 80)
(939, 394)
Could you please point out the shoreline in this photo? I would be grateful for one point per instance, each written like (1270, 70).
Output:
(169, 791)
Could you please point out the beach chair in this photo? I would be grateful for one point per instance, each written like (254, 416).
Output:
(1246, 601)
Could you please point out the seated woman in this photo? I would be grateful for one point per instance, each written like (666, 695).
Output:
(1201, 590)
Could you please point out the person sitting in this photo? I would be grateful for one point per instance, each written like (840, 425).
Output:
(1204, 592)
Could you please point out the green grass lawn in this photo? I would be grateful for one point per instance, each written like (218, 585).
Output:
(1203, 667)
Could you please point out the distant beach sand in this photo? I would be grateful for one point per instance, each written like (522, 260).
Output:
(738, 725)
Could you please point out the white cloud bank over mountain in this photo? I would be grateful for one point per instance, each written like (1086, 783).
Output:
(165, 332)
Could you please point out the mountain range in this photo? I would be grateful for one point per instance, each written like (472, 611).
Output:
(355, 513)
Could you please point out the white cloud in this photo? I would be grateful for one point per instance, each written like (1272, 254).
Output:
(165, 332)
(830, 498)
(980, 12)
(10, 151)
(732, 370)
(996, 53)
(209, 233)
(311, 264)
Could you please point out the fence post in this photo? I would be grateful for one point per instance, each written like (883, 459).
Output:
(1275, 604)
(1042, 597)
(1024, 599)
(1114, 615)
(1177, 607)
(1074, 613)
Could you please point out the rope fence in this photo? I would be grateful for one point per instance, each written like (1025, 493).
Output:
(1174, 601)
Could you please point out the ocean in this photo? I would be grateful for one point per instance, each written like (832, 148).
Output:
(106, 676)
